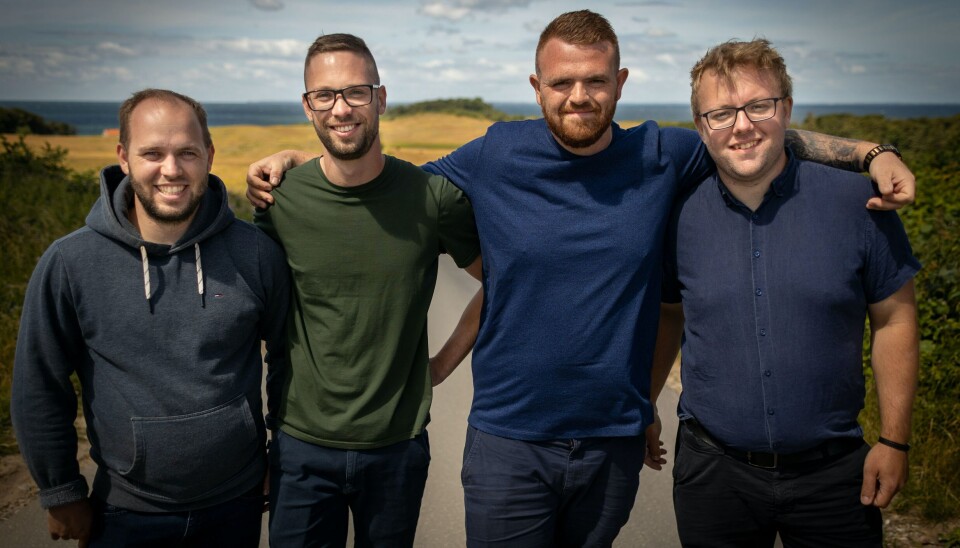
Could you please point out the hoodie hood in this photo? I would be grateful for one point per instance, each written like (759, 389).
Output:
(109, 214)
(108, 217)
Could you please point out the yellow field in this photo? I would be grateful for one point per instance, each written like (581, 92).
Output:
(417, 139)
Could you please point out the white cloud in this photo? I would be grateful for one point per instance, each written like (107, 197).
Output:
(267, 5)
(667, 59)
(456, 10)
(659, 33)
(436, 63)
(279, 48)
(113, 47)
(442, 11)
(17, 66)
(455, 75)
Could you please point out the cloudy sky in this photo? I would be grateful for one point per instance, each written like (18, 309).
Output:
(838, 51)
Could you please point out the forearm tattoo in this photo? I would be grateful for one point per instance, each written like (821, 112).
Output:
(825, 149)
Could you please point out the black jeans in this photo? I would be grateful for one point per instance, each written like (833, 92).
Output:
(233, 524)
(720, 501)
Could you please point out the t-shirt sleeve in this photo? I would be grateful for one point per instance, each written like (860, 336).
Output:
(457, 227)
(459, 165)
(890, 261)
(689, 154)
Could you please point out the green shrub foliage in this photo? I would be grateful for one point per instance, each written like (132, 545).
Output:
(930, 147)
(15, 120)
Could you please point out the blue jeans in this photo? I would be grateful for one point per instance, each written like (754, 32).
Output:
(548, 493)
(313, 487)
(234, 523)
(722, 502)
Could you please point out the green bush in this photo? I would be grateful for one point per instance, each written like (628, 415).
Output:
(44, 200)
(929, 147)
(473, 108)
(15, 120)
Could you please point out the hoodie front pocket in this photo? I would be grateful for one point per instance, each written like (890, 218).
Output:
(189, 457)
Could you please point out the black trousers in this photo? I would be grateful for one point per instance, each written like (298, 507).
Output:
(722, 502)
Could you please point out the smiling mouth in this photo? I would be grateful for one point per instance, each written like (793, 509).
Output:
(746, 146)
(344, 128)
(171, 190)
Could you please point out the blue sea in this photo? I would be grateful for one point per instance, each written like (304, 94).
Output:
(91, 118)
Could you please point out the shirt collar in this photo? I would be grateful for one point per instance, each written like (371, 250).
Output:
(781, 186)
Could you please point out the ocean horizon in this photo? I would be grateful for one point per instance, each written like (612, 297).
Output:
(91, 118)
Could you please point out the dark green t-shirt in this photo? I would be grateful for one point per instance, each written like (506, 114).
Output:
(364, 264)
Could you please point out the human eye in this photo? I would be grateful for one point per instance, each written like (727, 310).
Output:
(322, 95)
(151, 155)
(721, 115)
(358, 92)
(561, 85)
(760, 107)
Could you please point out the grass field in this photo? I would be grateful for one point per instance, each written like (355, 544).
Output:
(417, 139)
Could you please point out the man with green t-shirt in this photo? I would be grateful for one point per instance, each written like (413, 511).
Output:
(362, 232)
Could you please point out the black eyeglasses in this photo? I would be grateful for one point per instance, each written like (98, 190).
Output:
(756, 111)
(355, 96)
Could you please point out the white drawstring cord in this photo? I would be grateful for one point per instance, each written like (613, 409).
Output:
(146, 272)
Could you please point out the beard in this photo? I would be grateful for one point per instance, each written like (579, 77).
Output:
(153, 210)
(579, 134)
(347, 150)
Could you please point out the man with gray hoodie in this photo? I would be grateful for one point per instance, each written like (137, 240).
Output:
(159, 306)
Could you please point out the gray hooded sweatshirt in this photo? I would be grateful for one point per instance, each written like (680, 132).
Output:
(165, 341)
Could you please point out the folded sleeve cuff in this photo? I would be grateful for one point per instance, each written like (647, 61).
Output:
(64, 494)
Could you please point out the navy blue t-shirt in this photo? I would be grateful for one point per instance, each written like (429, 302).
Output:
(775, 302)
(572, 262)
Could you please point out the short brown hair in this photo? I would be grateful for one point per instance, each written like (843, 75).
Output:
(732, 55)
(581, 28)
(342, 42)
(126, 110)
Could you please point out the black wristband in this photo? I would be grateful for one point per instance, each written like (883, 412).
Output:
(898, 446)
(875, 151)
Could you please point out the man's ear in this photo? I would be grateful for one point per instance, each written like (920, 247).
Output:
(535, 82)
(381, 100)
(621, 79)
(123, 159)
(210, 152)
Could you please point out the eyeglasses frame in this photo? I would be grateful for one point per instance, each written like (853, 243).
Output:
(339, 92)
(743, 108)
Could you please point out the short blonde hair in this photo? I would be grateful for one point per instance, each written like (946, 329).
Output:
(732, 55)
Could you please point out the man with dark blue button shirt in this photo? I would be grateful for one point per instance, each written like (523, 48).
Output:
(777, 263)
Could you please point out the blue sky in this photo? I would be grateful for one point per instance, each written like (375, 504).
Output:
(837, 51)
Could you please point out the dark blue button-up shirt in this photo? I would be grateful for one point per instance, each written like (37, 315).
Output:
(775, 302)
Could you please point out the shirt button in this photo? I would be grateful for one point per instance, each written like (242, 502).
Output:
(763, 332)
(767, 373)
(759, 292)
(770, 411)
(776, 445)
(756, 252)
(754, 216)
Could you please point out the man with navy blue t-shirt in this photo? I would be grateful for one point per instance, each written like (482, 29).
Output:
(777, 264)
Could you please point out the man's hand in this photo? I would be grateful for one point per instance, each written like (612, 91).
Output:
(898, 186)
(71, 521)
(884, 474)
(653, 456)
(265, 174)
